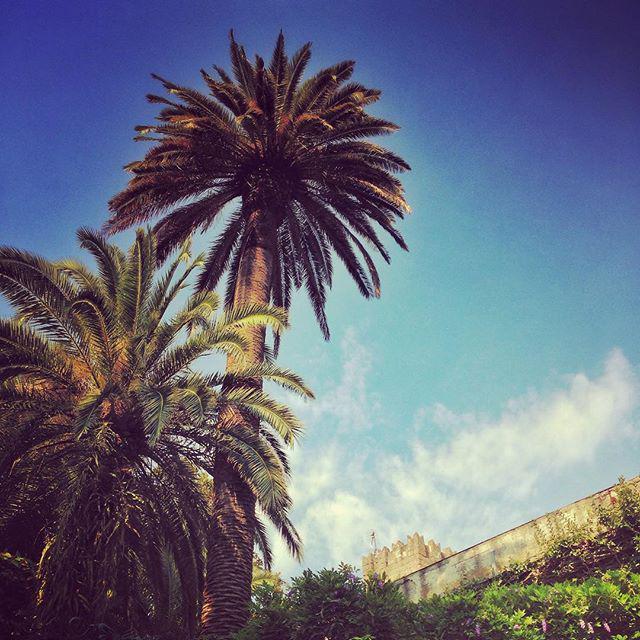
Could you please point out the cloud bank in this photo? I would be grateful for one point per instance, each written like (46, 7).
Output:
(479, 477)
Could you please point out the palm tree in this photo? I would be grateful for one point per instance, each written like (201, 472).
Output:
(106, 428)
(288, 165)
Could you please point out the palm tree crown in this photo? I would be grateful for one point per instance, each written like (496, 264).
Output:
(290, 161)
(292, 153)
(106, 427)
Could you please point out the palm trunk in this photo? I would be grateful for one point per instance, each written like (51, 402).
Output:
(230, 554)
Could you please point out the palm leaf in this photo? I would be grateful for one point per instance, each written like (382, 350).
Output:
(282, 377)
(265, 408)
(251, 315)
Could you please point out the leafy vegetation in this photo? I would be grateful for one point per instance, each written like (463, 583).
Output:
(338, 605)
(106, 428)
(333, 603)
(610, 539)
(264, 576)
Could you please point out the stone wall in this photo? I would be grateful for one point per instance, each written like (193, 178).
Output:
(403, 558)
(489, 558)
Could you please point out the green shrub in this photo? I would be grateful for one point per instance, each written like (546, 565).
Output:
(332, 603)
(338, 605)
(595, 608)
(622, 515)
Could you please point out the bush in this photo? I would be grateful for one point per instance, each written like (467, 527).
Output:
(336, 604)
(332, 603)
(595, 608)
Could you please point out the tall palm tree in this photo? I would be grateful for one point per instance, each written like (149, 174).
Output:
(288, 165)
(106, 427)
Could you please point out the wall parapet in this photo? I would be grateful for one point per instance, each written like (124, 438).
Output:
(491, 557)
(403, 557)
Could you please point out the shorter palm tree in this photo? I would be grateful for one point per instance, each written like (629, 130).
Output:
(106, 428)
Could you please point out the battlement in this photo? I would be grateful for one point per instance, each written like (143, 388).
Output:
(404, 558)
(421, 570)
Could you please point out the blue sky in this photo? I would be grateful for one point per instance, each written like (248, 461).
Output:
(517, 306)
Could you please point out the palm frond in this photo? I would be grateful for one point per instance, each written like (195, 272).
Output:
(88, 410)
(157, 405)
(108, 258)
(286, 529)
(24, 351)
(282, 377)
(136, 280)
(265, 408)
(263, 544)
(255, 462)
(251, 315)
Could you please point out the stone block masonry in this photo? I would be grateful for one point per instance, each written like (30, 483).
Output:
(403, 558)
(422, 570)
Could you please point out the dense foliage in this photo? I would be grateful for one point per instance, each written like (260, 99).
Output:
(333, 603)
(338, 605)
(17, 594)
(599, 607)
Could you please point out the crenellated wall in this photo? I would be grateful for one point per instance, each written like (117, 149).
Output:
(403, 558)
(422, 570)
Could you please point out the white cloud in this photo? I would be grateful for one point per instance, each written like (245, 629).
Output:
(484, 476)
(316, 474)
(347, 405)
(536, 435)
(340, 523)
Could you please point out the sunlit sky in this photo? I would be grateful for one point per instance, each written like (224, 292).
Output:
(497, 376)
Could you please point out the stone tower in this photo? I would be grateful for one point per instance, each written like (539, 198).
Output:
(403, 558)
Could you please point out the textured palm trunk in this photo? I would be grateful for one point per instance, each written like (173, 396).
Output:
(230, 554)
